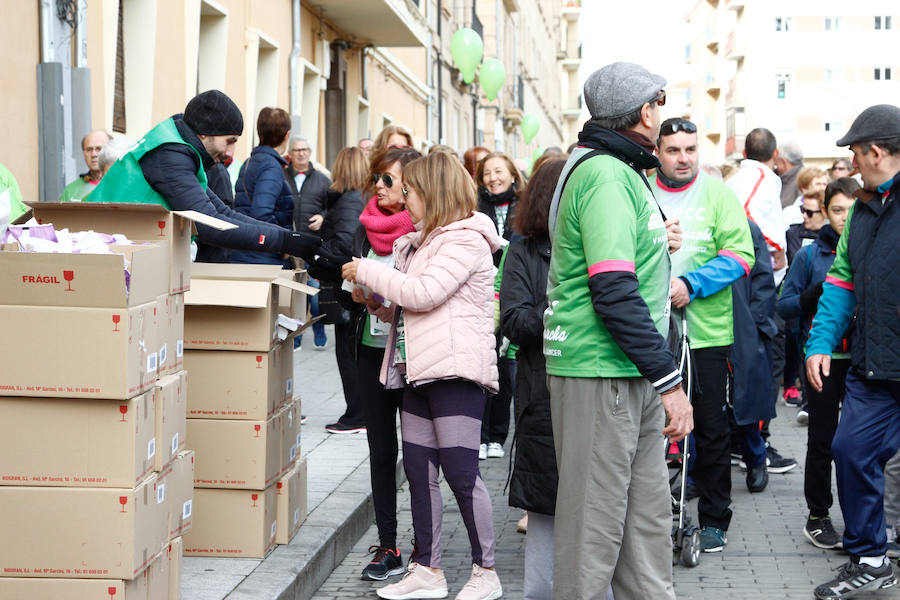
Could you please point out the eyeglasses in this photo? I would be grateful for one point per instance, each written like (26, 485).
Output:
(672, 126)
(298, 150)
(809, 213)
(92, 149)
(385, 177)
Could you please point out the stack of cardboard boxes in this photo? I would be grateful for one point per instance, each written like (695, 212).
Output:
(95, 481)
(243, 418)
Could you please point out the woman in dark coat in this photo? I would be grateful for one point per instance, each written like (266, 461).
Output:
(261, 191)
(523, 299)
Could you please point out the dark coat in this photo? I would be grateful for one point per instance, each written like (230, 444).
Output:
(262, 193)
(340, 224)
(219, 181)
(171, 170)
(523, 299)
(754, 330)
(795, 235)
(309, 200)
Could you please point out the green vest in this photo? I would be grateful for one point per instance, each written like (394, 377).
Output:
(124, 182)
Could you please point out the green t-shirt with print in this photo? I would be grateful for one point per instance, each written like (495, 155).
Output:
(607, 220)
(77, 190)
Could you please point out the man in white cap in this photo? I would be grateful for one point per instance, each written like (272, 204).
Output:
(863, 283)
(607, 357)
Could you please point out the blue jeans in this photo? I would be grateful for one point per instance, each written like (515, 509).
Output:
(318, 327)
(868, 435)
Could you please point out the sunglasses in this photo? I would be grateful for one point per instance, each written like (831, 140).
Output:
(385, 177)
(660, 99)
(809, 213)
(676, 125)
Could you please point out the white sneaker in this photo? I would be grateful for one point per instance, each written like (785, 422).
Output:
(483, 585)
(495, 450)
(419, 582)
(482, 452)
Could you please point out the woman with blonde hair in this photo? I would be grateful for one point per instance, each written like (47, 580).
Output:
(438, 298)
(392, 136)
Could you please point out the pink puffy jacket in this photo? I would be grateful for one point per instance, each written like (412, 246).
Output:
(446, 288)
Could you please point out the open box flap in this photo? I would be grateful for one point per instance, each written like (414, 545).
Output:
(191, 215)
(240, 294)
(295, 285)
(236, 272)
(199, 217)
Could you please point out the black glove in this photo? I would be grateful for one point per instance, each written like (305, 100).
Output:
(809, 299)
(304, 245)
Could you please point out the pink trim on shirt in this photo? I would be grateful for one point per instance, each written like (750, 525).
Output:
(606, 266)
(839, 282)
(740, 260)
(683, 188)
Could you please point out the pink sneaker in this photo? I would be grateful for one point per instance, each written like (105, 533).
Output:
(419, 582)
(483, 585)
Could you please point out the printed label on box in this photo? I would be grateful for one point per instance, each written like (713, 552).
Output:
(179, 348)
(290, 387)
(162, 355)
(298, 439)
(175, 444)
(274, 526)
(151, 362)
(293, 453)
(160, 493)
(186, 509)
(296, 516)
(151, 448)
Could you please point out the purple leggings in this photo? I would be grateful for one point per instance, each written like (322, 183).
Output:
(441, 427)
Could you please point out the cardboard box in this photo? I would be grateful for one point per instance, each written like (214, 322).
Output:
(290, 435)
(291, 502)
(177, 481)
(239, 385)
(294, 303)
(62, 352)
(138, 222)
(235, 454)
(250, 518)
(175, 553)
(171, 352)
(22, 588)
(157, 576)
(234, 307)
(77, 443)
(81, 532)
(85, 280)
(170, 402)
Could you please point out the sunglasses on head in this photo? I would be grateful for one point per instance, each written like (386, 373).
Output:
(672, 126)
(385, 177)
(809, 213)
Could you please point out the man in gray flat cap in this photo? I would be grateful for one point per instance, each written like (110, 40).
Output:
(612, 376)
(863, 281)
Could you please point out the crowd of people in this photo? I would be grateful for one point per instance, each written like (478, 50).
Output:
(458, 286)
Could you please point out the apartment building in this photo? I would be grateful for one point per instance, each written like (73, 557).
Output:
(343, 68)
(802, 68)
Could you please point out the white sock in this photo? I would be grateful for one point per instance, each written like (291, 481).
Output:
(872, 561)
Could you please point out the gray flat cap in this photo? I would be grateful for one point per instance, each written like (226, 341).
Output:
(619, 89)
(879, 122)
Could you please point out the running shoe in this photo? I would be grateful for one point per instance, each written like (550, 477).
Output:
(821, 534)
(854, 578)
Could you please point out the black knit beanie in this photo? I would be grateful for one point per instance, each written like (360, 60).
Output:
(213, 113)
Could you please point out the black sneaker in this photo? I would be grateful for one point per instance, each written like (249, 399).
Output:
(342, 428)
(712, 539)
(757, 478)
(854, 578)
(385, 563)
(821, 534)
(777, 463)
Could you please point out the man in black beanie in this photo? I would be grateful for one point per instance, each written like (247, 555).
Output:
(168, 166)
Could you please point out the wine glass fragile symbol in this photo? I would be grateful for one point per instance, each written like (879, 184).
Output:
(111, 590)
(123, 408)
(254, 497)
(162, 226)
(123, 500)
(259, 361)
(256, 428)
(115, 320)
(69, 276)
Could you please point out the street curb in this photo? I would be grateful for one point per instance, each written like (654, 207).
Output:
(295, 571)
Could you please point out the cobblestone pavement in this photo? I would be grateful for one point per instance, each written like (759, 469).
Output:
(767, 556)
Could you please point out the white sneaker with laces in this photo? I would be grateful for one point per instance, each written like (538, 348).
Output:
(483, 585)
(419, 582)
(495, 450)
(482, 452)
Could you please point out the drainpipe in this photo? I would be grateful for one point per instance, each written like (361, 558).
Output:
(440, 76)
(80, 85)
(429, 76)
(520, 102)
(294, 66)
(51, 109)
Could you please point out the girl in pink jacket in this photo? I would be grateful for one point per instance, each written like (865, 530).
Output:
(441, 350)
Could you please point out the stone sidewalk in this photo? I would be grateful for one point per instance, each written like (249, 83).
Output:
(767, 556)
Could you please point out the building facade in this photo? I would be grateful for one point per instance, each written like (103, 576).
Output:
(801, 68)
(343, 68)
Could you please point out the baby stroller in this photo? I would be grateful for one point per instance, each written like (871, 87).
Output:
(685, 535)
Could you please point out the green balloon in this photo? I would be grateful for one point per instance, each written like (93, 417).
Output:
(466, 48)
(492, 75)
(538, 152)
(530, 125)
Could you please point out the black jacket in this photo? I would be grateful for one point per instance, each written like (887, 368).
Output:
(338, 229)
(795, 235)
(872, 242)
(219, 181)
(754, 329)
(171, 170)
(523, 299)
(309, 200)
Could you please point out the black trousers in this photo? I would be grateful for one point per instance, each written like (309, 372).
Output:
(824, 408)
(495, 423)
(343, 353)
(712, 434)
(380, 408)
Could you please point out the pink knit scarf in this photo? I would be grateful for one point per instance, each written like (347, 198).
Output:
(382, 228)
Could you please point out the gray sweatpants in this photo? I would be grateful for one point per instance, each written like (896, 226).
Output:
(613, 506)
